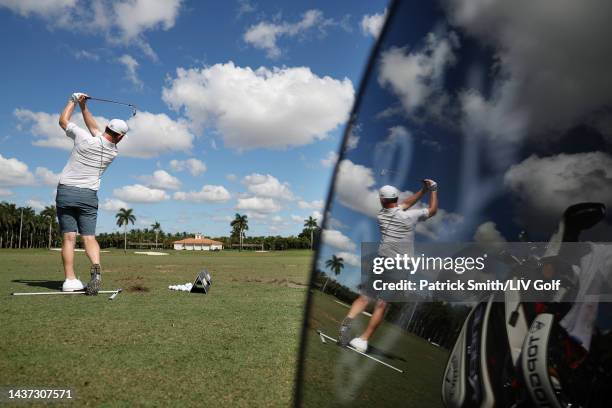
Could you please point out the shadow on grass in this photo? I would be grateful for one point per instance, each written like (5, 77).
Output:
(382, 353)
(40, 283)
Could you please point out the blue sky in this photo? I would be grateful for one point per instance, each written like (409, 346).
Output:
(240, 103)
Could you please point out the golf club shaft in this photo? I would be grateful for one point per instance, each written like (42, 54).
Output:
(108, 100)
(61, 293)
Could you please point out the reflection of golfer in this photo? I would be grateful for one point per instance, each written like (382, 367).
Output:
(77, 192)
(397, 224)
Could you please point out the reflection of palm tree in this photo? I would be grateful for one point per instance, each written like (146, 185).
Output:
(240, 224)
(124, 217)
(310, 224)
(156, 228)
(336, 264)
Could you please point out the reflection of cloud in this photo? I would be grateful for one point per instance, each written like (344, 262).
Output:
(349, 258)
(546, 186)
(415, 76)
(553, 60)
(354, 189)
(487, 233)
(337, 239)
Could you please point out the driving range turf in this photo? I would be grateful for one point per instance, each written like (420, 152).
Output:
(152, 346)
(235, 346)
(360, 382)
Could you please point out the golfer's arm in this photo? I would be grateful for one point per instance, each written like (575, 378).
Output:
(90, 122)
(66, 114)
(433, 203)
(410, 201)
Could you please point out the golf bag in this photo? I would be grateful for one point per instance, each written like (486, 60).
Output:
(513, 353)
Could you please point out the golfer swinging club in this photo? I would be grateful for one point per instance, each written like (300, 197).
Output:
(397, 224)
(77, 192)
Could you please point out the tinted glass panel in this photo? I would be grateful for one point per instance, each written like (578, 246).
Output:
(507, 106)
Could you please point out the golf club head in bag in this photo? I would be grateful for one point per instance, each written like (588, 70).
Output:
(478, 366)
(503, 347)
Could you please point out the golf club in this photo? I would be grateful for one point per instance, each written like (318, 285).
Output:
(114, 293)
(324, 336)
(134, 109)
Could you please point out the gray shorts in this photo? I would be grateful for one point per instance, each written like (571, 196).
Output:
(77, 209)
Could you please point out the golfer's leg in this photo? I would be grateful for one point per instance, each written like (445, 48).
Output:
(68, 254)
(92, 248)
(375, 320)
(358, 306)
(87, 227)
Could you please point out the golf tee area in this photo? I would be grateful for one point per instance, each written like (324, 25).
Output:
(151, 346)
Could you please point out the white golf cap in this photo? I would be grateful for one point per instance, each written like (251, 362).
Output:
(388, 192)
(118, 126)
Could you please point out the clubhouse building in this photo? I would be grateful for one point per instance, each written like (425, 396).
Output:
(198, 243)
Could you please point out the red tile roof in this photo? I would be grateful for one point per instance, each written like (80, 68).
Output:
(201, 241)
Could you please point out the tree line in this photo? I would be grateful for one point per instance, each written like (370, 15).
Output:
(23, 227)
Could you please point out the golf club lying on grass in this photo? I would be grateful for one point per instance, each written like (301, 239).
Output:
(80, 292)
(324, 336)
(134, 109)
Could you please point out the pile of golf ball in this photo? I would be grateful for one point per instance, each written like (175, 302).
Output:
(183, 288)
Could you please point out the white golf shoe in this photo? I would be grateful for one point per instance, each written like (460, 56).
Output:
(359, 344)
(72, 285)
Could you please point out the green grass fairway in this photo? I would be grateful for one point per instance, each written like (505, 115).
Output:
(332, 372)
(152, 346)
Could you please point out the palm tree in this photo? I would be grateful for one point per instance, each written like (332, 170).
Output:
(335, 263)
(124, 217)
(310, 224)
(156, 227)
(240, 224)
(49, 214)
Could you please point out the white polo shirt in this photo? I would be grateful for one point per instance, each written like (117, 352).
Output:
(90, 157)
(397, 229)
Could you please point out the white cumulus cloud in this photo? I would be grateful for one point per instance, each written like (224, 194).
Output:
(137, 193)
(161, 179)
(14, 172)
(150, 134)
(131, 66)
(208, 194)
(269, 108)
(194, 166)
(36, 204)
(47, 177)
(266, 185)
(265, 35)
(121, 22)
(311, 205)
(373, 24)
(113, 204)
(330, 160)
(258, 205)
